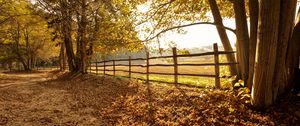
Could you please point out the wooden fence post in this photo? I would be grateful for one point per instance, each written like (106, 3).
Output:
(129, 65)
(217, 69)
(147, 66)
(175, 65)
(96, 67)
(114, 68)
(104, 66)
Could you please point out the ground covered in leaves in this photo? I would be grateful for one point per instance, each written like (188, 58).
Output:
(53, 98)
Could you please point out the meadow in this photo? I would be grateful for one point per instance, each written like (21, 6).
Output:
(192, 80)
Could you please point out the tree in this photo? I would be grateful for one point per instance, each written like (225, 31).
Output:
(253, 10)
(242, 37)
(270, 73)
(223, 35)
(293, 54)
(86, 17)
(25, 34)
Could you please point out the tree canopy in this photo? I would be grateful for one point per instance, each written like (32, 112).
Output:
(25, 36)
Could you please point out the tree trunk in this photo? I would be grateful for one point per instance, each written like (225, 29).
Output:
(82, 29)
(286, 24)
(66, 30)
(262, 90)
(17, 50)
(242, 37)
(10, 66)
(62, 57)
(293, 54)
(32, 60)
(253, 9)
(65, 59)
(223, 35)
(274, 33)
(28, 50)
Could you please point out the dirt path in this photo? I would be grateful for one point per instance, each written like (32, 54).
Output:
(39, 98)
(24, 100)
(17, 79)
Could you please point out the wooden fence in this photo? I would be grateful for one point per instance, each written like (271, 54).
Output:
(175, 64)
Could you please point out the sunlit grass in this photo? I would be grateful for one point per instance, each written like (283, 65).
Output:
(192, 80)
(196, 81)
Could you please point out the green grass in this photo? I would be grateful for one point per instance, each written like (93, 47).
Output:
(196, 81)
(192, 80)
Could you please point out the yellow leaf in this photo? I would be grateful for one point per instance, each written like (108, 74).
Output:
(236, 85)
(231, 110)
(241, 81)
(247, 90)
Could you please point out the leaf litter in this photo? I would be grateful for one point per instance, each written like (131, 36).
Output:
(73, 99)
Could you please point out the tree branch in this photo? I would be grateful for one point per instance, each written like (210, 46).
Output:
(155, 12)
(12, 16)
(159, 21)
(187, 25)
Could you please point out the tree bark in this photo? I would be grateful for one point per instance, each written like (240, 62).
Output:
(62, 57)
(223, 35)
(242, 38)
(17, 50)
(262, 93)
(81, 38)
(28, 50)
(66, 30)
(286, 24)
(32, 60)
(274, 31)
(253, 9)
(293, 54)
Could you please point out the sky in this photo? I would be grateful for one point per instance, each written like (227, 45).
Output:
(196, 35)
(199, 35)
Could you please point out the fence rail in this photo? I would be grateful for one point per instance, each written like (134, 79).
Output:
(175, 65)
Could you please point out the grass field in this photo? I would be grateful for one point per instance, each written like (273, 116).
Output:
(198, 81)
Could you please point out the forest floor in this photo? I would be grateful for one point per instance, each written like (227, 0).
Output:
(54, 98)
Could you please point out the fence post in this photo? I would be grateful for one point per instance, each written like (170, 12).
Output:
(114, 68)
(129, 65)
(175, 65)
(147, 66)
(104, 66)
(96, 67)
(217, 69)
